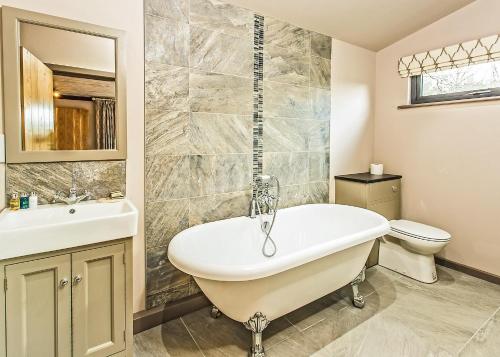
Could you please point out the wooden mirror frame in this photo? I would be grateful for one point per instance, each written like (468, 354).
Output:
(11, 20)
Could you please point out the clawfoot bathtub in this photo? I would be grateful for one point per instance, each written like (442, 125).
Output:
(321, 248)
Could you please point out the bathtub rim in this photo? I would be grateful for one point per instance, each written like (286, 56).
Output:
(274, 265)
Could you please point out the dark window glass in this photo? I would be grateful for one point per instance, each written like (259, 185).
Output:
(474, 81)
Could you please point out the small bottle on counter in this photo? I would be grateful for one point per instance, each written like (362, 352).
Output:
(24, 201)
(14, 201)
(33, 200)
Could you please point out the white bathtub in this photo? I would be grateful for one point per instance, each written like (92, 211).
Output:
(321, 247)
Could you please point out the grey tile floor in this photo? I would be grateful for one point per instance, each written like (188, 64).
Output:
(457, 316)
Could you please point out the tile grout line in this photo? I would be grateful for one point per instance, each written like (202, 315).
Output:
(307, 54)
(248, 190)
(203, 339)
(292, 324)
(249, 115)
(265, 79)
(200, 26)
(308, 86)
(312, 325)
(209, 195)
(206, 71)
(152, 156)
(191, 335)
(479, 329)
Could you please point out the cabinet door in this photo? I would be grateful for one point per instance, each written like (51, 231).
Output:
(38, 308)
(99, 301)
(350, 193)
(390, 209)
(384, 191)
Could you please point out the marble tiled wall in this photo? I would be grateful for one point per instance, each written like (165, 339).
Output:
(199, 80)
(98, 177)
(297, 99)
(199, 122)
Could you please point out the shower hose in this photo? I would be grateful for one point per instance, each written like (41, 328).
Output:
(266, 228)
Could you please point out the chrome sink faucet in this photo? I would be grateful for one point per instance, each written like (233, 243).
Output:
(72, 198)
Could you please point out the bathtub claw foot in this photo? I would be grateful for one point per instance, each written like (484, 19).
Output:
(257, 324)
(215, 312)
(358, 300)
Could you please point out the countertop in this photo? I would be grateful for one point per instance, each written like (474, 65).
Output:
(366, 177)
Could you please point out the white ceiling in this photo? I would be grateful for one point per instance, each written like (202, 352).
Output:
(373, 24)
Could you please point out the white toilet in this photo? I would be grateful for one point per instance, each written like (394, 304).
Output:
(410, 247)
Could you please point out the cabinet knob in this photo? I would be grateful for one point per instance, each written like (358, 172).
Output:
(63, 283)
(77, 279)
(395, 188)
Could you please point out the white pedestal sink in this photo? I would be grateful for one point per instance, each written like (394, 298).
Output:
(54, 227)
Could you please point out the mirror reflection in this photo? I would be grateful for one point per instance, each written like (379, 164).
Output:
(67, 90)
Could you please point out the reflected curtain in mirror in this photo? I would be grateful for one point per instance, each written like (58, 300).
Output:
(105, 123)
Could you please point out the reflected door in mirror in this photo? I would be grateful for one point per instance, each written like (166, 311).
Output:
(72, 128)
(38, 103)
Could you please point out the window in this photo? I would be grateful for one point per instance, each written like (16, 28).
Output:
(473, 81)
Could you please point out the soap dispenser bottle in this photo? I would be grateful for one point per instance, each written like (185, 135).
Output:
(33, 200)
(24, 201)
(14, 202)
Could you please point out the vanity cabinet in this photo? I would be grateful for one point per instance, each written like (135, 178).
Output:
(71, 303)
(379, 193)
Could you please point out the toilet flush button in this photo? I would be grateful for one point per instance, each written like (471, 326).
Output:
(395, 189)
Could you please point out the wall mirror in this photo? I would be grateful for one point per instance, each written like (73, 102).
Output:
(64, 89)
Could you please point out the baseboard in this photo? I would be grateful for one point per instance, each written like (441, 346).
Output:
(146, 319)
(492, 278)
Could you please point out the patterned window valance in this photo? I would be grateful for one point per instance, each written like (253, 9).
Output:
(463, 54)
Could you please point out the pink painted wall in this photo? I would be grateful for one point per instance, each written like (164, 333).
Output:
(353, 103)
(449, 155)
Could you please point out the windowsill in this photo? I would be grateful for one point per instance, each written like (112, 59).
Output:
(449, 102)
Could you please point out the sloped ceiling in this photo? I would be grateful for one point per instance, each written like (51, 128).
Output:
(372, 24)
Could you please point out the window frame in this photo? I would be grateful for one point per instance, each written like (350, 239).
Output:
(416, 96)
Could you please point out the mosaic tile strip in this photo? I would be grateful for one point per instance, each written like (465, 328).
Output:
(258, 97)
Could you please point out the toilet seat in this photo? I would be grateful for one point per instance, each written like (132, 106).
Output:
(409, 229)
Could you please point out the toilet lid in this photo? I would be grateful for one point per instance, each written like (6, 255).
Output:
(419, 230)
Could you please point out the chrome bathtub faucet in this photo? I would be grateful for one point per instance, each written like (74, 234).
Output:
(265, 202)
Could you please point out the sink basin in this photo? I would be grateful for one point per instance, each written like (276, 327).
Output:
(54, 227)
